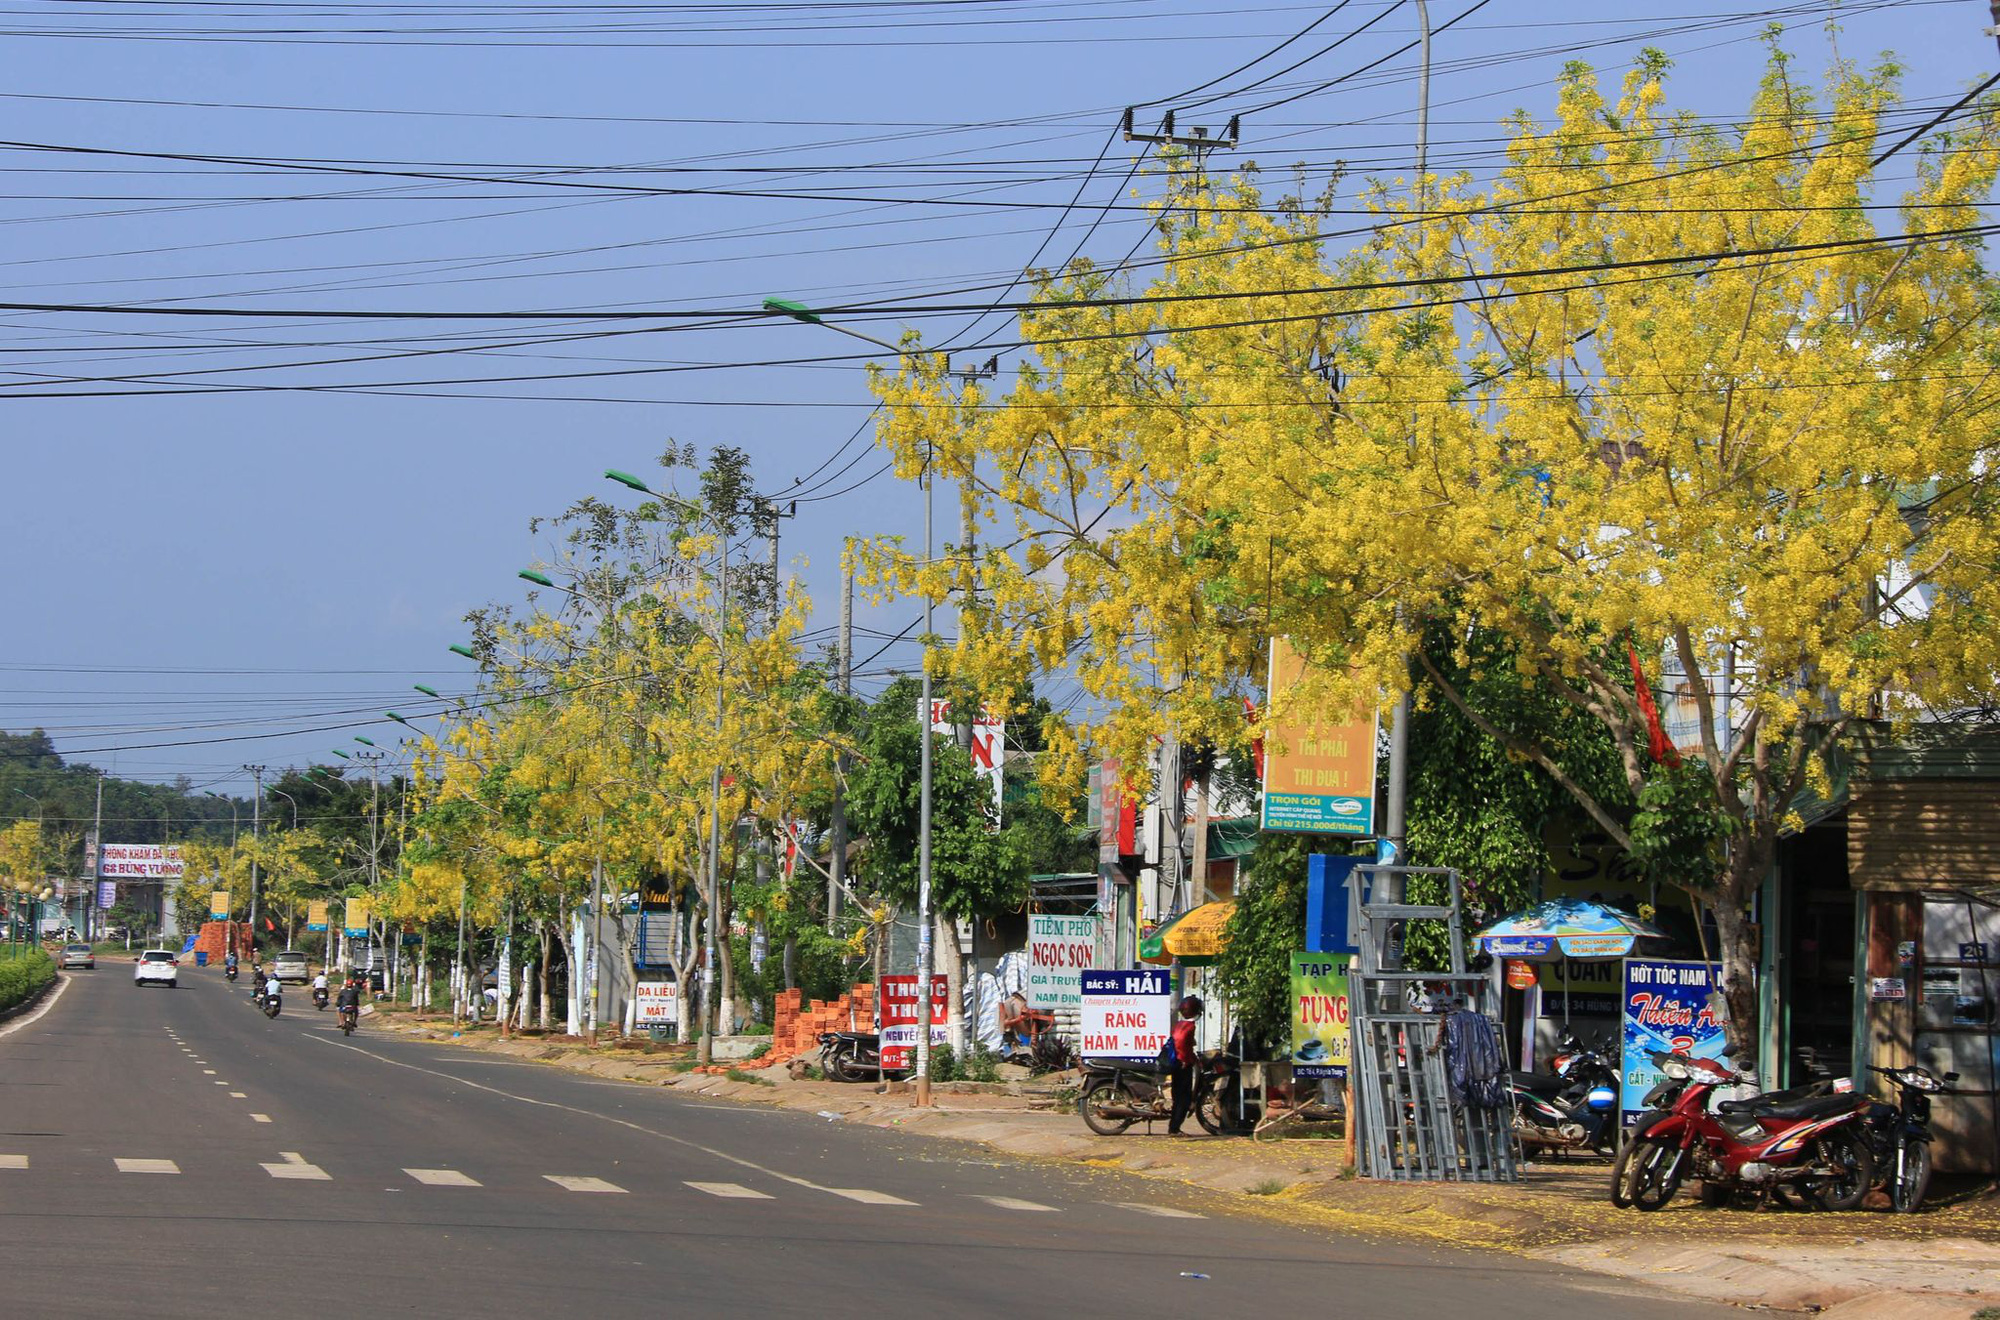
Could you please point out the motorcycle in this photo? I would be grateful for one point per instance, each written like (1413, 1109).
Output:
(272, 1003)
(1575, 1108)
(1899, 1135)
(229, 973)
(1117, 1095)
(1808, 1141)
(319, 997)
(850, 1056)
(349, 1019)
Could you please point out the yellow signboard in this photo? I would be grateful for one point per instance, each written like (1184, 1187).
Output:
(218, 905)
(316, 914)
(1319, 776)
(357, 917)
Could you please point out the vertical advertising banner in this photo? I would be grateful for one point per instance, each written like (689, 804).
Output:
(988, 749)
(356, 924)
(218, 905)
(1126, 1014)
(1319, 775)
(1319, 1015)
(1664, 1007)
(107, 895)
(900, 1014)
(1059, 948)
(316, 915)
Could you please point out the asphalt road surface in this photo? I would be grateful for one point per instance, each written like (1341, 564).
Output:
(171, 1153)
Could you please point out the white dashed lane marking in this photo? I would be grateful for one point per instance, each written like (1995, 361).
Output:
(442, 1178)
(146, 1166)
(295, 1166)
(237, 1095)
(260, 1118)
(866, 1197)
(1163, 1211)
(572, 1184)
(13, 1161)
(1012, 1203)
(731, 1191)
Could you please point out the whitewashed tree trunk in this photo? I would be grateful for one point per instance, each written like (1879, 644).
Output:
(579, 970)
(542, 1009)
(946, 943)
(527, 994)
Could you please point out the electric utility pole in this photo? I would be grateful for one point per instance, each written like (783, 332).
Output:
(374, 760)
(256, 837)
(837, 872)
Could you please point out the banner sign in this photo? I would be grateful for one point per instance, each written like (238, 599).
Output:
(1665, 1007)
(141, 861)
(107, 895)
(1059, 948)
(900, 1012)
(316, 914)
(1126, 1014)
(656, 1003)
(988, 748)
(1323, 779)
(218, 905)
(1319, 1015)
(357, 918)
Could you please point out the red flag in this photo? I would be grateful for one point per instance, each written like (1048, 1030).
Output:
(1658, 744)
(268, 926)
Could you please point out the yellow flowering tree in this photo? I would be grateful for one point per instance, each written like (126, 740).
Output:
(1658, 394)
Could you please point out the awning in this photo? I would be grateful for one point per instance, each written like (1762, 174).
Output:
(1197, 937)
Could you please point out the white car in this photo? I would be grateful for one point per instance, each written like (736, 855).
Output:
(158, 967)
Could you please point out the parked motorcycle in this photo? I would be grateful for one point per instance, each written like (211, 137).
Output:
(850, 1056)
(1899, 1135)
(1806, 1141)
(319, 996)
(1117, 1095)
(272, 1003)
(1574, 1108)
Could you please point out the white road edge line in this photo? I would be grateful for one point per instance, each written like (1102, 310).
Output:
(62, 986)
(737, 1160)
(1163, 1211)
(1014, 1203)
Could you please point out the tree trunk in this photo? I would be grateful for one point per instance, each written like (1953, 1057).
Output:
(573, 974)
(946, 942)
(683, 954)
(542, 988)
(1738, 940)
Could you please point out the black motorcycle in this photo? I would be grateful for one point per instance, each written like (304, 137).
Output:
(272, 1003)
(349, 1018)
(1573, 1108)
(1900, 1135)
(319, 996)
(850, 1056)
(1116, 1095)
(229, 973)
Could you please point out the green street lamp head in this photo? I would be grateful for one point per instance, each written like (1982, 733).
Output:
(626, 479)
(796, 310)
(465, 651)
(342, 755)
(366, 742)
(394, 716)
(427, 691)
(539, 579)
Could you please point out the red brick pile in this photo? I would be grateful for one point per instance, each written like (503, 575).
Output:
(214, 940)
(796, 1030)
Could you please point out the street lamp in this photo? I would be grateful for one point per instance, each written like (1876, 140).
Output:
(295, 805)
(801, 313)
(706, 1051)
(232, 816)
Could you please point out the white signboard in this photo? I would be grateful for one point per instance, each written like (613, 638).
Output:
(1059, 948)
(141, 861)
(988, 751)
(1126, 1014)
(656, 1003)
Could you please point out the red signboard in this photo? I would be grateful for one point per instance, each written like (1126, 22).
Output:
(899, 1018)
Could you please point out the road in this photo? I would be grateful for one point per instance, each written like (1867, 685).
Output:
(174, 1153)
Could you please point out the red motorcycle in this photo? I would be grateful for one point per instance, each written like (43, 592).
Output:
(1810, 1142)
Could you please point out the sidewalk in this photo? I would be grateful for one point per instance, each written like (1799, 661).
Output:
(1943, 1264)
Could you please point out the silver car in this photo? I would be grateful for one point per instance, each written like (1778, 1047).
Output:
(77, 955)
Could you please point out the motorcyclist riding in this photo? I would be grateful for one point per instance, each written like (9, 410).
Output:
(349, 1000)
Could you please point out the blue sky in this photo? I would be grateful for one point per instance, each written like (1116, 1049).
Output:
(191, 568)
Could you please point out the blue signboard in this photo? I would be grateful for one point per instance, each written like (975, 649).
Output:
(1665, 1006)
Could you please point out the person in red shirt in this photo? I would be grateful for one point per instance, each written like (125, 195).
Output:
(1182, 1075)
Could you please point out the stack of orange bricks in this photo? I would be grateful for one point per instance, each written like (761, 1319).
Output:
(213, 941)
(795, 1032)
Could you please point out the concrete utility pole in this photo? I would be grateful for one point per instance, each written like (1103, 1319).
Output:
(837, 872)
(97, 847)
(374, 760)
(706, 1052)
(923, 1071)
(256, 837)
